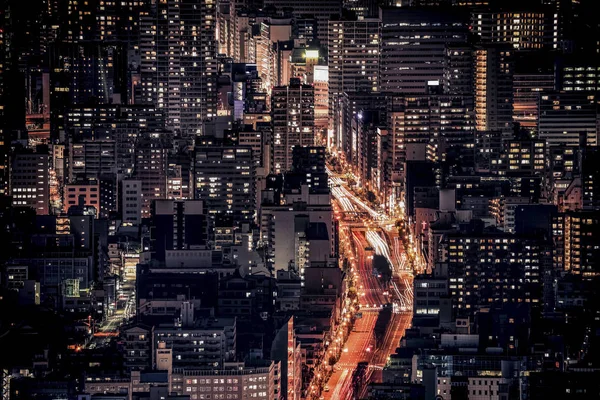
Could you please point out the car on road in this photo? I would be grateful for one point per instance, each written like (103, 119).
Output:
(327, 388)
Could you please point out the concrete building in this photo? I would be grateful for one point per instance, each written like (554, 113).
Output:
(138, 347)
(576, 249)
(354, 56)
(150, 168)
(525, 29)
(30, 180)
(414, 45)
(91, 159)
(493, 76)
(527, 89)
(458, 69)
(179, 226)
(131, 201)
(565, 116)
(321, 10)
(426, 123)
(205, 343)
(257, 380)
(522, 262)
(179, 62)
(224, 181)
(280, 222)
(82, 193)
(285, 349)
(293, 111)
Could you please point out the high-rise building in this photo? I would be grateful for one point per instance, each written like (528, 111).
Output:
(224, 179)
(414, 45)
(458, 69)
(4, 140)
(29, 180)
(179, 62)
(293, 111)
(322, 10)
(590, 178)
(419, 121)
(568, 118)
(527, 89)
(300, 212)
(345, 110)
(493, 88)
(576, 244)
(151, 168)
(90, 159)
(494, 268)
(354, 56)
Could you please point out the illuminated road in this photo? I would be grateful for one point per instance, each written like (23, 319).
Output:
(372, 234)
(125, 309)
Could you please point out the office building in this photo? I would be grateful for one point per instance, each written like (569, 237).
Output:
(417, 122)
(525, 29)
(414, 45)
(321, 10)
(590, 179)
(91, 159)
(293, 216)
(578, 74)
(354, 56)
(109, 123)
(568, 118)
(30, 180)
(293, 112)
(527, 89)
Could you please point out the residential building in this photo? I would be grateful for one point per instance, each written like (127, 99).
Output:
(493, 75)
(178, 65)
(293, 111)
(224, 179)
(150, 168)
(205, 343)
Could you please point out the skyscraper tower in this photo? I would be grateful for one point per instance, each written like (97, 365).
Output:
(178, 62)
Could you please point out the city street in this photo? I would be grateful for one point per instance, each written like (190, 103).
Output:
(125, 309)
(371, 232)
